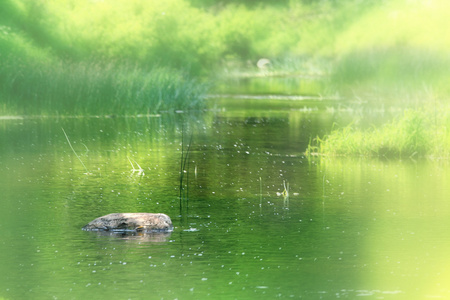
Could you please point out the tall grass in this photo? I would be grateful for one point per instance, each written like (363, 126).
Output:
(389, 52)
(416, 133)
(176, 34)
(368, 46)
(59, 87)
(394, 73)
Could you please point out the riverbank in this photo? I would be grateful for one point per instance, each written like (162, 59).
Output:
(155, 58)
(65, 88)
(415, 133)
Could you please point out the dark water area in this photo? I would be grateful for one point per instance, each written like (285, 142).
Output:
(348, 228)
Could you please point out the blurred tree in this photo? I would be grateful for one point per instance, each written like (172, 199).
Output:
(10, 13)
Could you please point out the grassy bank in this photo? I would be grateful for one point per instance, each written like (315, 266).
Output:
(42, 73)
(177, 34)
(151, 50)
(82, 88)
(35, 80)
(390, 53)
(370, 50)
(416, 133)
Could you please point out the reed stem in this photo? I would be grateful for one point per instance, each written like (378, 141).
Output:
(70, 144)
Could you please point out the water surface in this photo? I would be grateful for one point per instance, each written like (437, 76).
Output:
(349, 228)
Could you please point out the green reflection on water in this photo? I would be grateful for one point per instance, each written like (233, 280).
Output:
(349, 228)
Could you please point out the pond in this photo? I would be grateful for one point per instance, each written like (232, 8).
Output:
(347, 228)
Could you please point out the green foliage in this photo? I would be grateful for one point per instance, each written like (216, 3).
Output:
(370, 45)
(13, 41)
(173, 33)
(168, 33)
(35, 81)
(390, 50)
(415, 133)
(392, 71)
(398, 23)
(10, 12)
(87, 88)
(249, 3)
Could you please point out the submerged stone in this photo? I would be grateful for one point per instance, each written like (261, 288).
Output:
(142, 222)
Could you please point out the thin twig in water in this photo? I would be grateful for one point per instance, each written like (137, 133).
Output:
(87, 149)
(70, 144)
(140, 171)
(260, 195)
(286, 190)
(181, 166)
(184, 163)
(184, 159)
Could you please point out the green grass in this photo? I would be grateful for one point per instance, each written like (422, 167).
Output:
(85, 88)
(416, 133)
(39, 77)
(176, 34)
(132, 56)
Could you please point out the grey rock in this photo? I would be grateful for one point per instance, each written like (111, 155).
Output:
(141, 222)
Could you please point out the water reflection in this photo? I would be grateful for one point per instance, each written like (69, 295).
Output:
(346, 227)
(155, 237)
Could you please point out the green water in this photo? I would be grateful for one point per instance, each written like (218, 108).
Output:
(350, 228)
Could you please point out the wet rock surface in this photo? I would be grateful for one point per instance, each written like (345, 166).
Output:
(138, 222)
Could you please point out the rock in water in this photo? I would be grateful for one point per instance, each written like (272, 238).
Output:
(145, 222)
